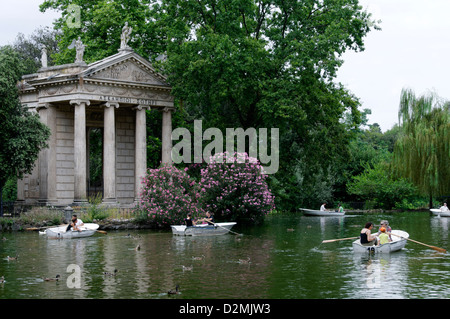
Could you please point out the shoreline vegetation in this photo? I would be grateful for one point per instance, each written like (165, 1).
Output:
(39, 218)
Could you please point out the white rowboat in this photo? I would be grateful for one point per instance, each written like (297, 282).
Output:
(312, 212)
(396, 244)
(87, 230)
(438, 212)
(203, 229)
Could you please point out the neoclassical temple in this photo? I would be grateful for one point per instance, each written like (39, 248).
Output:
(110, 96)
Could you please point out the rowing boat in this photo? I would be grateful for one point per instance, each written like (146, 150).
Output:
(438, 212)
(202, 229)
(396, 244)
(312, 212)
(87, 230)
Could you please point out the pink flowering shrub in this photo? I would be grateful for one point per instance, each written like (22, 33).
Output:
(233, 189)
(168, 195)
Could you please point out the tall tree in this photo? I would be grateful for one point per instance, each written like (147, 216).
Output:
(270, 63)
(22, 135)
(422, 151)
(100, 26)
(29, 48)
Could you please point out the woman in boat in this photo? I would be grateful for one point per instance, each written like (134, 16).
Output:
(444, 208)
(367, 239)
(188, 220)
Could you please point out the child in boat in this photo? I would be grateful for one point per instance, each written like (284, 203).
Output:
(383, 237)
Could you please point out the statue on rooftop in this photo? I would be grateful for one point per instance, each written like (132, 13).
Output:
(44, 57)
(125, 37)
(79, 47)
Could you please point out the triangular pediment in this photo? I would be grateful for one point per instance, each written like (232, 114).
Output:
(125, 67)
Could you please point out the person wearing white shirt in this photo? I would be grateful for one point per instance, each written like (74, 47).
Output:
(75, 224)
(322, 208)
(444, 208)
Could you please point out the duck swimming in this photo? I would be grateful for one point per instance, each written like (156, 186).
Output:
(53, 279)
(174, 292)
(110, 274)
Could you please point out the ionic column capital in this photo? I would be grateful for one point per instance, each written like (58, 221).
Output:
(141, 107)
(80, 101)
(43, 106)
(168, 109)
(112, 104)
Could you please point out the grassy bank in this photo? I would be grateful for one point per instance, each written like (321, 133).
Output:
(38, 217)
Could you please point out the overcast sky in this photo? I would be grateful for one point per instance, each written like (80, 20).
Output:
(411, 50)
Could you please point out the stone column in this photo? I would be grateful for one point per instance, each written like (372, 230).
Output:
(167, 135)
(140, 166)
(47, 158)
(80, 157)
(109, 153)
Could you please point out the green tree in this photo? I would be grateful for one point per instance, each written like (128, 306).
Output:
(422, 151)
(101, 23)
(377, 186)
(29, 48)
(270, 64)
(22, 135)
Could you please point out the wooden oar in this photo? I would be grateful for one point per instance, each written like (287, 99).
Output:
(333, 240)
(223, 228)
(101, 231)
(442, 250)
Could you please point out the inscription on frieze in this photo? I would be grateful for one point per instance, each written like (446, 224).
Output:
(128, 100)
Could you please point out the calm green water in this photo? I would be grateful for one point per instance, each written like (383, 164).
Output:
(283, 264)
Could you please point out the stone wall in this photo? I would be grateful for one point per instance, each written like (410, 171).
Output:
(125, 155)
(64, 156)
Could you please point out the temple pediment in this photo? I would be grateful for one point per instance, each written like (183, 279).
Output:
(125, 77)
(125, 66)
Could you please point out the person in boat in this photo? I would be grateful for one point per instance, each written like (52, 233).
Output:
(384, 223)
(444, 208)
(209, 219)
(75, 224)
(383, 237)
(366, 237)
(340, 209)
(322, 208)
(189, 221)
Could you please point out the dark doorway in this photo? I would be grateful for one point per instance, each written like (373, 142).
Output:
(95, 178)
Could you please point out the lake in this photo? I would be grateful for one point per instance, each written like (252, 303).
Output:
(286, 260)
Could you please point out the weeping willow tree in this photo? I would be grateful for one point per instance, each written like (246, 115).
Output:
(422, 151)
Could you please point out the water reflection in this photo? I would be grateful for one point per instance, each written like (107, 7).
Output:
(285, 260)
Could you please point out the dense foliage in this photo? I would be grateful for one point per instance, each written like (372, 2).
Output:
(422, 152)
(22, 135)
(233, 188)
(232, 191)
(168, 195)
